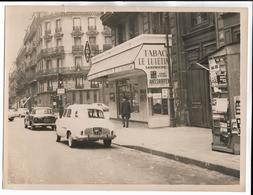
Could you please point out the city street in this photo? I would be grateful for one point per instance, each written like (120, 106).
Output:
(34, 157)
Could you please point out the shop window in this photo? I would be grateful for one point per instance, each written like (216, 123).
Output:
(159, 102)
(121, 33)
(158, 23)
(198, 18)
(136, 98)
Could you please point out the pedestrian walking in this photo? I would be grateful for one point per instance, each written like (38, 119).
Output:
(125, 112)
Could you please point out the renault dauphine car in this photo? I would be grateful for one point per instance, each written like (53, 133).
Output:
(40, 117)
(84, 122)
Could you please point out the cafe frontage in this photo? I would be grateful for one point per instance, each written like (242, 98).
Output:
(137, 69)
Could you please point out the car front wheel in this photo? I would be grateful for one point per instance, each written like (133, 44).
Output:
(107, 142)
(71, 142)
(58, 138)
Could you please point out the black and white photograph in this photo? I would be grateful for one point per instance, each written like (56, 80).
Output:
(128, 98)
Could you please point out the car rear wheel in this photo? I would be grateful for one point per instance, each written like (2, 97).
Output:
(58, 138)
(25, 125)
(71, 142)
(107, 142)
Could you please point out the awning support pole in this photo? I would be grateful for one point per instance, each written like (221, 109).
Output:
(171, 98)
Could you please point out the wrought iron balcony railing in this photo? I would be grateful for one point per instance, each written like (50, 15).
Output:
(51, 52)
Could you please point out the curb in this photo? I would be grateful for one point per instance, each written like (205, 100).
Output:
(186, 160)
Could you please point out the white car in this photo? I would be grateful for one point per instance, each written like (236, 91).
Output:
(12, 113)
(84, 122)
(22, 112)
(104, 107)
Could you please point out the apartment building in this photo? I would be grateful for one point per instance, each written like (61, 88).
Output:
(55, 44)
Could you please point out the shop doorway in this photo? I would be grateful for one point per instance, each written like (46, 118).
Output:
(198, 97)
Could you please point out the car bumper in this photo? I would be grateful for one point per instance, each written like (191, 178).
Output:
(95, 137)
(43, 124)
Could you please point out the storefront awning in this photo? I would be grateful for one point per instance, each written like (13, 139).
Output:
(145, 52)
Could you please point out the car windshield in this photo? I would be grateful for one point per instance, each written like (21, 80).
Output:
(95, 113)
(43, 111)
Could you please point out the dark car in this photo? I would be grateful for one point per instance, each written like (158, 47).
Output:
(40, 117)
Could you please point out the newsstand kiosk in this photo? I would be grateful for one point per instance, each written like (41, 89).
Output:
(224, 71)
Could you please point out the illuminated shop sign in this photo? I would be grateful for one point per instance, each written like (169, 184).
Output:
(154, 61)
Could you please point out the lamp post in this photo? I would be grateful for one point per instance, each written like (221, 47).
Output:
(171, 96)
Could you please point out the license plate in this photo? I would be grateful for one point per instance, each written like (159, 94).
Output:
(97, 131)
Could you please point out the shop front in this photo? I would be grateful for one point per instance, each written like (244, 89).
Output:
(138, 70)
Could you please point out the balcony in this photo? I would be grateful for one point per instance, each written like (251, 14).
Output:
(92, 30)
(79, 86)
(58, 33)
(51, 52)
(63, 70)
(77, 49)
(107, 47)
(77, 31)
(48, 35)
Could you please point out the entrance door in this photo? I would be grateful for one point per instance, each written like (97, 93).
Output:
(198, 97)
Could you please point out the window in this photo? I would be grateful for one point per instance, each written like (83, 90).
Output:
(94, 84)
(95, 96)
(48, 27)
(48, 64)
(153, 74)
(68, 113)
(74, 98)
(133, 26)
(76, 23)
(77, 40)
(108, 40)
(58, 25)
(121, 34)
(79, 82)
(88, 95)
(158, 23)
(64, 113)
(78, 62)
(48, 44)
(92, 40)
(58, 63)
(198, 18)
(58, 42)
(94, 113)
(49, 85)
(92, 23)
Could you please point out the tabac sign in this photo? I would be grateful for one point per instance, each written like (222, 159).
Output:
(153, 60)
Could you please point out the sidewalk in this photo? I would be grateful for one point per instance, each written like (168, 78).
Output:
(185, 144)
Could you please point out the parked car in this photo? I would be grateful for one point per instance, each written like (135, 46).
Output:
(40, 117)
(84, 122)
(12, 113)
(104, 107)
(22, 112)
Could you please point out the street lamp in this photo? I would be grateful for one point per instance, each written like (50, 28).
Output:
(171, 97)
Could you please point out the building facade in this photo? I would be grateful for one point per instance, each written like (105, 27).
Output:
(194, 37)
(55, 45)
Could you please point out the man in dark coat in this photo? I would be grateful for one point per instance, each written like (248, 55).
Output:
(125, 112)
